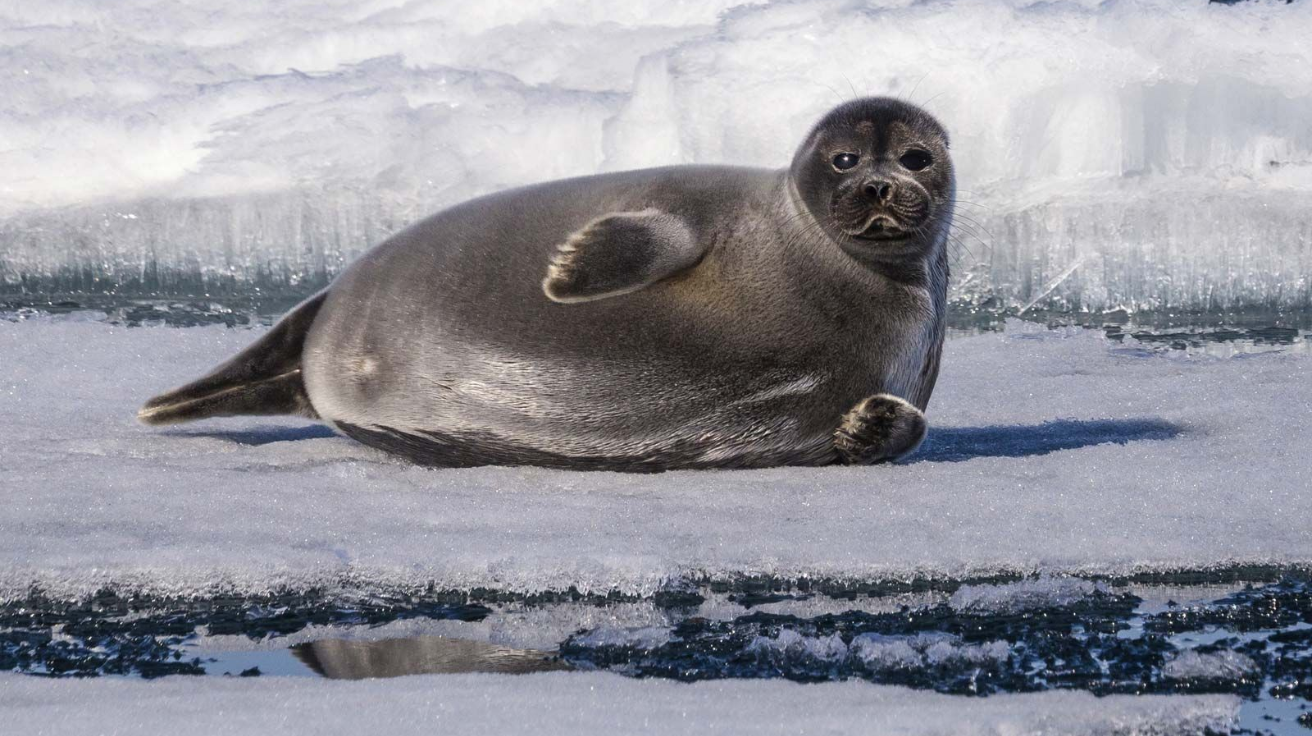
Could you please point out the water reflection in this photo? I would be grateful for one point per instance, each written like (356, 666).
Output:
(345, 659)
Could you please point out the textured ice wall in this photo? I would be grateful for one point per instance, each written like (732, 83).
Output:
(1158, 152)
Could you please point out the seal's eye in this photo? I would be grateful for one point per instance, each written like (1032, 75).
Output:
(916, 159)
(845, 161)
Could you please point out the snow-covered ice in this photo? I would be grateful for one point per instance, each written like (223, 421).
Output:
(1193, 664)
(1156, 150)
(575, 703)
(1024, 594)
(1052, 451)
(921, 650)
(647, 637)
(879, 651)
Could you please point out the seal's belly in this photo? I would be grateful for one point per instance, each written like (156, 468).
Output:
(562, 414)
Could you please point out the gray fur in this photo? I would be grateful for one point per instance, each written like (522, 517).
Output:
(697, 316)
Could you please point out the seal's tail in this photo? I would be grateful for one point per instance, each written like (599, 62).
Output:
(265, 378)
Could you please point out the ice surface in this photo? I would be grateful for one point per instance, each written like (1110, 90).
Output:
(1051, 451)
(789, 643)
(192, 147)
(1026, 594)
(1191, 664)
(647, 637)
(574, 703)
(924, 650)
(880, 652)
(642, 624)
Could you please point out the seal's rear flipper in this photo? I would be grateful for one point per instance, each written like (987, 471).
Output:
(265, 378)
(880, 428)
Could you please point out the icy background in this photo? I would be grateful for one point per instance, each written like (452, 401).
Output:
(1157, 152)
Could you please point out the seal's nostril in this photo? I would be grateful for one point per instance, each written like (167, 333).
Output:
(878, 190)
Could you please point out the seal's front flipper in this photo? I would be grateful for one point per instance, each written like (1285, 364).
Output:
(263, 379)
(619, 253)
(882, 427)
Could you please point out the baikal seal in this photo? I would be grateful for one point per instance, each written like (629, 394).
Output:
(678, 317)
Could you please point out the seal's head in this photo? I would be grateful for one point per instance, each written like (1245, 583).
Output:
(876, 175)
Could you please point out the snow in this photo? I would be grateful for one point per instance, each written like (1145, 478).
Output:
(1055, 452)
(572, 703)
(1157, 151)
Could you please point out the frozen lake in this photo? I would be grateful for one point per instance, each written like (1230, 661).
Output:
(1087, 516)
(1174, 658)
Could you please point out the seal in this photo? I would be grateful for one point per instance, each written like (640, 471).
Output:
(679, 317)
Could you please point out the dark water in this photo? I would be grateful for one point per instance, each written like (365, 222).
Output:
(1246, 632)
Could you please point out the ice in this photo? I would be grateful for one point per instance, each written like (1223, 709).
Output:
(573, 703)
(1027, 594)
(1157, 151)
(1055, 452)
(880, 652)
(642, 624)
(647, 637)
(1191, 664)
(889, 652)
(792, 645)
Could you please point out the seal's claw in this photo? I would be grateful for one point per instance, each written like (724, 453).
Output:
(563, 274)
(880, 428)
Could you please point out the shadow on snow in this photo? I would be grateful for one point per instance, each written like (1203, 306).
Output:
(265, 436)
(944, 445)
(954, 444)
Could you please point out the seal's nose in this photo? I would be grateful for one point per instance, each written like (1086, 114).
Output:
(879, 190)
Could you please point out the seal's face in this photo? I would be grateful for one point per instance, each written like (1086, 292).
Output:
(876, 175)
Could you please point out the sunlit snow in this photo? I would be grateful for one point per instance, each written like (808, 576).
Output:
(1159, 151)
(568, 703)
(1050, 451)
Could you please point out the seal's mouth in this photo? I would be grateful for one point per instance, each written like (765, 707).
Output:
(881, 228)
